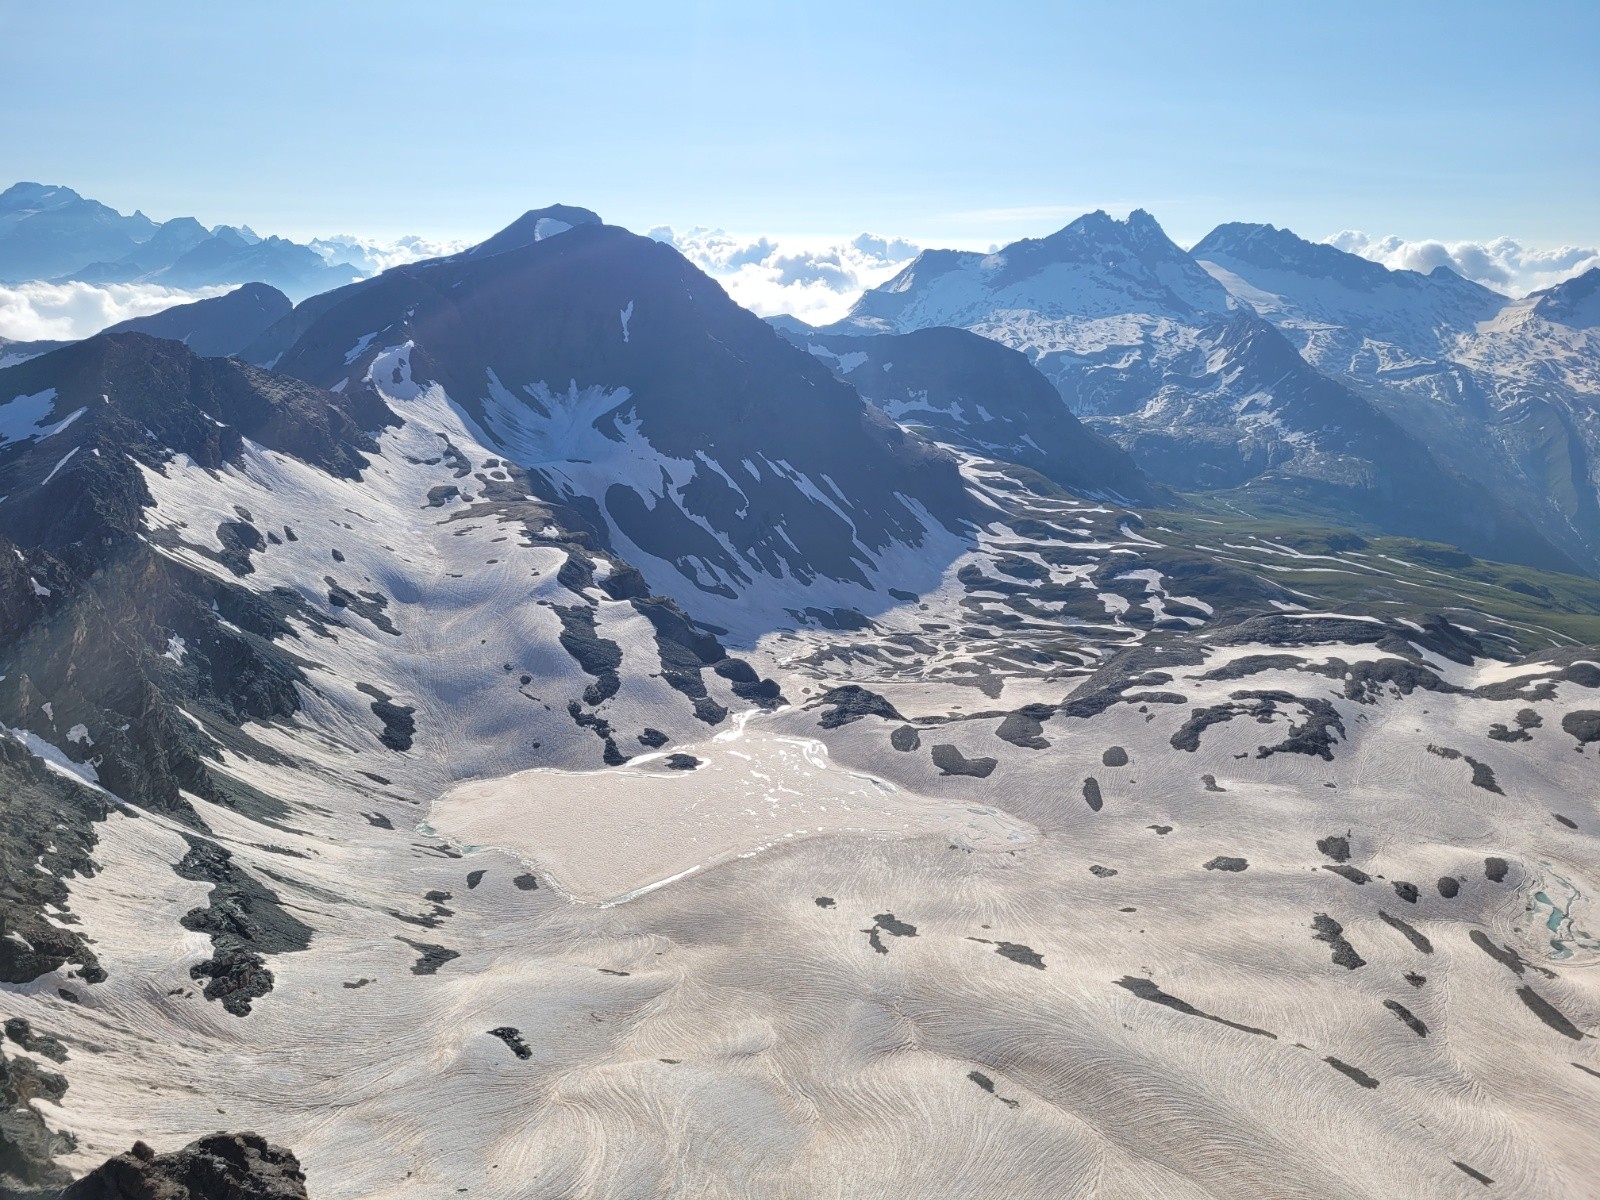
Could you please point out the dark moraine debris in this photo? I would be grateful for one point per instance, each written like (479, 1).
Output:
(378, 820)
(825, 902)
(987, 1084)
(219, 1166)
(1506, 956)
(1336, 847)
(1102, 872)
(1346, 871)
(596, 656)
(239, 539)
(951, 761)
(1146, 989)
(850, 703)
(1549, 1013)
(1224, 862)
(1526, 719)
(1091, 794)
(1584, 725)
(1478, 1175)
(905, 738)
(1494, 869)
(681, 762)
(1406, 891)
(887, 923)
(1449, 887)
(1356, 1073)
(1116, 756)
(1211, 783)
(1409, 1018)
(359, 983)
(1025, 727)
(1326, 929)
(653, 738)
(399, 723)
(474, 878)
(1413, 935)
(1015, 951)
(20, 1031)
(370, 605)
(1567, 821)
(1414, 979)
(1482, 773)
(513, 1039)
(1587, 1070)
(525, 882)
(245, 921)
(1161, 830)
(431, 957)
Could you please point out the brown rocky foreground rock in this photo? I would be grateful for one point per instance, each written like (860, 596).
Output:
(220, 1166)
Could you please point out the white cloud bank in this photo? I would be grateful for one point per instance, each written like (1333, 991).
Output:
(1505, 264)
(814, 279)
(40, 311)
(371, 256)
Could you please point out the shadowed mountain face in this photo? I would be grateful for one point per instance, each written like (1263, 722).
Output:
(219, 326)
(974, 394)
(1500, 391)
(634, 389)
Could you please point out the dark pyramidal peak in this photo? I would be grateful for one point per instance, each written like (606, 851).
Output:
(629, 384)
(218, 326)
(533, 226)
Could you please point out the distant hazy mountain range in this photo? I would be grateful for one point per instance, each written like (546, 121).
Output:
(53, 233)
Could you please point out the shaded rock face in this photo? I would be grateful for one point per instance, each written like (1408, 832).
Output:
(27, 1144)
(976, 394)
(90, 612)
(220, 1166)
(600, 360)
(218, 326)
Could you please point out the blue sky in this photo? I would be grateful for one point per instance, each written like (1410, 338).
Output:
(954, 123)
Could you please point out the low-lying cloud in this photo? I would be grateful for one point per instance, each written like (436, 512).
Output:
(40, 311)
(370, 256)
(814, 279)
(1505, 264)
